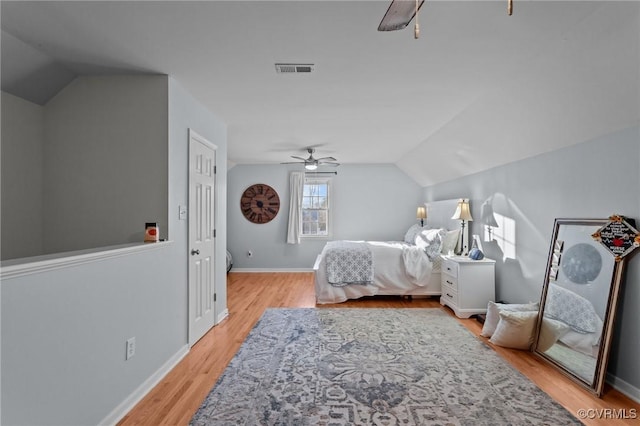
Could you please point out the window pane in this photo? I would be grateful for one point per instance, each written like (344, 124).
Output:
(322, 228)
(322, 216)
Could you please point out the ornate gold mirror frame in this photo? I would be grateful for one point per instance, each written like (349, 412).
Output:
(580, 295)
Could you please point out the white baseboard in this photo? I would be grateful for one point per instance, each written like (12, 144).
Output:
(271, 270)
(125, 406)
(624, 387)
(224, 314)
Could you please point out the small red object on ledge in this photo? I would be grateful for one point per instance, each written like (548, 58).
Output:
(151, 232)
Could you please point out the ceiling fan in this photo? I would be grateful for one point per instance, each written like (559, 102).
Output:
(401, 12)
(312, 163)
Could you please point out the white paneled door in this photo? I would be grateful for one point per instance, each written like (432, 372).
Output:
(202, 179)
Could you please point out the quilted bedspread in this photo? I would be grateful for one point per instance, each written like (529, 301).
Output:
(349, 262)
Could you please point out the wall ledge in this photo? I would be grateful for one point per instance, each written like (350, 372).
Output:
(258, 270)
(37, 264)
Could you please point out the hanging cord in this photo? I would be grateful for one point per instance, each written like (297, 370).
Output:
(416, 29)
(510, 7)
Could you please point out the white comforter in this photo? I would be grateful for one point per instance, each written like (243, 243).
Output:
(399, 269)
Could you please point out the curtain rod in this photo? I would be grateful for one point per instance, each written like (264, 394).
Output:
(320, 173)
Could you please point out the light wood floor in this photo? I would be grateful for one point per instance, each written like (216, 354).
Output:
(177, 397)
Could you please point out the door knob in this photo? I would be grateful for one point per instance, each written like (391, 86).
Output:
(194, 252)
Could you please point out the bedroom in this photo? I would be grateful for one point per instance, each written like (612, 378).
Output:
(532, 190)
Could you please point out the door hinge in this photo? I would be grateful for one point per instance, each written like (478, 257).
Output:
(215, 169)
(215, 296)
(214, 233)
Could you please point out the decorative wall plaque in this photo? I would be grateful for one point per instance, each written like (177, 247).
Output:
(618, 236)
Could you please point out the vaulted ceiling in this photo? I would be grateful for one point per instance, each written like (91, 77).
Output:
(478, 88)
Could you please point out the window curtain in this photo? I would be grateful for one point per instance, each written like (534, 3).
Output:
(296, 188)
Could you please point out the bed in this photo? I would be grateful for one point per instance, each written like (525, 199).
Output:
(353, 269)
(583, 324)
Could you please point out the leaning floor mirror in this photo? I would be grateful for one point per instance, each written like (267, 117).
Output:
(580, 294)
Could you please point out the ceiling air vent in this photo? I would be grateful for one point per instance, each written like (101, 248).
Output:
(294, 68)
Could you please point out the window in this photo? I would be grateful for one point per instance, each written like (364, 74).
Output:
(315, 208)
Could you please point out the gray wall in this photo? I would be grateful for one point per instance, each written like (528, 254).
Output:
(593, 179)
(186, 112)
(89, 200)
(65, 183)
(374, 202)
(64, 331)
(21, 177)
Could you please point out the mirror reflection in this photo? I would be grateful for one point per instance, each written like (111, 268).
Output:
(578, 302)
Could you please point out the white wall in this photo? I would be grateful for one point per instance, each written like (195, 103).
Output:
(374, 202)
(89, 198)
(22, 181)
(596, 178)
(186, 113)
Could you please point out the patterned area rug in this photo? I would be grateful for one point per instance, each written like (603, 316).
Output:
(372, 367)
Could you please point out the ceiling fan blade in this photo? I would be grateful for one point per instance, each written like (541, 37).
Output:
(399, 14)
(299, 158)
(328, 163)
(326, 159)
(292, 162)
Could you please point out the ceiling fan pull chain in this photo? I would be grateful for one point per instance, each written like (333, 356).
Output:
(510, 7)
(416, 29)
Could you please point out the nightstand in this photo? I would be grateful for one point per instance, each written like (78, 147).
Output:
(467, 285)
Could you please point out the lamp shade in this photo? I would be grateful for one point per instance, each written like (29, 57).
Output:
(421, 213)
(462, 211)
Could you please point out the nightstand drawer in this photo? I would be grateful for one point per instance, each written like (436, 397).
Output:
(449, 267)
(449, 295)
(450, 281)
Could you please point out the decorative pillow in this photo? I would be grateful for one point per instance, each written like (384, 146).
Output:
(493, 317)
(550, 332)
(410, 235)
(515, 329)
(430, 240)
(450, 241)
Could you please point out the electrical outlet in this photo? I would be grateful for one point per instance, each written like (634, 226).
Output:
(131, 348)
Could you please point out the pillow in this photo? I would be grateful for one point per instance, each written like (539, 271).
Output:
(450, 241)
(515, 329)
(410, 235)
(430, 240)
(550, 332)
(493, 317)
